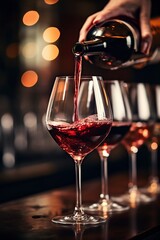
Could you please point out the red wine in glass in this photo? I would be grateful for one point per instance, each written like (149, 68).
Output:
(78, 119)
(117, 133)
(80, 137)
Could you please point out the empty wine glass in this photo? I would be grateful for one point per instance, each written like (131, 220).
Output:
(78, 118)
(142, 126)
(153, 143)
(121, 124)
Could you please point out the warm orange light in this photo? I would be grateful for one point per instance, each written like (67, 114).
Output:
(50, 52)
(145, 133)
(51, 34)
(154, 145)
(29, 50)
(12, 50)
(29, 78)
(133, 197)
(140, 142)
(155, 21)
(50, 2)
(154, 187)
(155, 24)
(134, 149)
(30, 18)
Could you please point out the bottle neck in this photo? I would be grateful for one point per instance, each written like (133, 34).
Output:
(91, 47)
(108, 45)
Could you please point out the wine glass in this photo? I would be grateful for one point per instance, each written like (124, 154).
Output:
(142, 126)
(153, 143)
(78, 118)
(120, 126)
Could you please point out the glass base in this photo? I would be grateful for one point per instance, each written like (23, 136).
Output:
(134, 197)
(106, 206)
(84, 219)
(153, 188)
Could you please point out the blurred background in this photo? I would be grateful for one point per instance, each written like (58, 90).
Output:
(36, 40)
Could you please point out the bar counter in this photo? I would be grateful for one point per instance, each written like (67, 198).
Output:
(30, 217)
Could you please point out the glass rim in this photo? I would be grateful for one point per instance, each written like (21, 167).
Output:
(112, 80)
(82, 76)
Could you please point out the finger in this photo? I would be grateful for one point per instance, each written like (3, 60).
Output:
(145, 27)
(106, 14)
(86, 27)
(97, 18)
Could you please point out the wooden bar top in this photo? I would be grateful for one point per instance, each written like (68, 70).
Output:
(30, 217)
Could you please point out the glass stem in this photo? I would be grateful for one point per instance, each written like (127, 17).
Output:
(154, 174)
(133, 177)
(78, 232)
(78, 211)
(104, 178)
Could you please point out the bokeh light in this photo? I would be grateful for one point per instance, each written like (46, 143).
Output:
(30, 18)
(50, 2)
(50, 52)
(28, 50)
(29, 78)
(51, 34)
(154, 146)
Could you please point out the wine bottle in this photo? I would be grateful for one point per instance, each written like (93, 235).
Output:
(116, 44)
